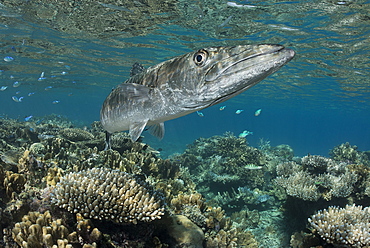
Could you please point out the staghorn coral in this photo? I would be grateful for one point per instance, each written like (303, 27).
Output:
(107, 194)
(343, 227)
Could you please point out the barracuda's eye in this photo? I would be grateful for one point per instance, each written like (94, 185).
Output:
(200, 57)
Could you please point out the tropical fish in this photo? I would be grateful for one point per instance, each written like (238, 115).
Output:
(222, 108)
(55, 102)
(28, 118)
(258, 112)
(16, 99)
(16, 84)
(200, 114)
(2, 88)
(187, 84)
(252, 167)
(239, 111)
(8, 59)
(245, 134)
(41, 76)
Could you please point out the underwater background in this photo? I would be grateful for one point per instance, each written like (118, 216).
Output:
(60, 59)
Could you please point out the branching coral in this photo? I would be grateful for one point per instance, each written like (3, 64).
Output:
(38, 230)
(75, 134)
(346, 152)
(343, 227)
(221, 163)
(107, 194)
(316, 177)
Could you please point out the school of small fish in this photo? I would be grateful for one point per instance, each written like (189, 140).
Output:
(17, 83)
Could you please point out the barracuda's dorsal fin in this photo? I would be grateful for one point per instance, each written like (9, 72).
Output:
(136, 128)
(157, 130)
(136, 69)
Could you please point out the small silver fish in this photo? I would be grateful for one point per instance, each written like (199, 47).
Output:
(239, 111)
(8, 59)
(2, 88)
(15, 98)
(222, 108)
(28, 118)
(41, 76)
(16, 84)
(200, 114)
(258, 112)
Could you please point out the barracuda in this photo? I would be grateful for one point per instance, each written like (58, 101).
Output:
(186, 84)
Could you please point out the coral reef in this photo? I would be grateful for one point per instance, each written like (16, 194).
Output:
(347, 153)
(107, 194)
(218, 229)
(185, 232)
(75, 134)
(343, 227)
(38, 230)
(220, 164)
(316, 177)
(109, 198)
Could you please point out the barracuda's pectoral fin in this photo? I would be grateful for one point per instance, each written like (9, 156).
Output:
(157, 130)
(137, 92)
(136, 128)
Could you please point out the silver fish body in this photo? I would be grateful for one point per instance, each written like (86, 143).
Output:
(186, 84)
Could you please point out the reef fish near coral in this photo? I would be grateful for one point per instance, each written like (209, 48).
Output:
(186, 84)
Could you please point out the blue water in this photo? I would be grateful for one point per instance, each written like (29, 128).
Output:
(317, 101)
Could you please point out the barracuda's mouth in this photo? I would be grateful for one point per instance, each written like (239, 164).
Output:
(276, 56)
(246, 71)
